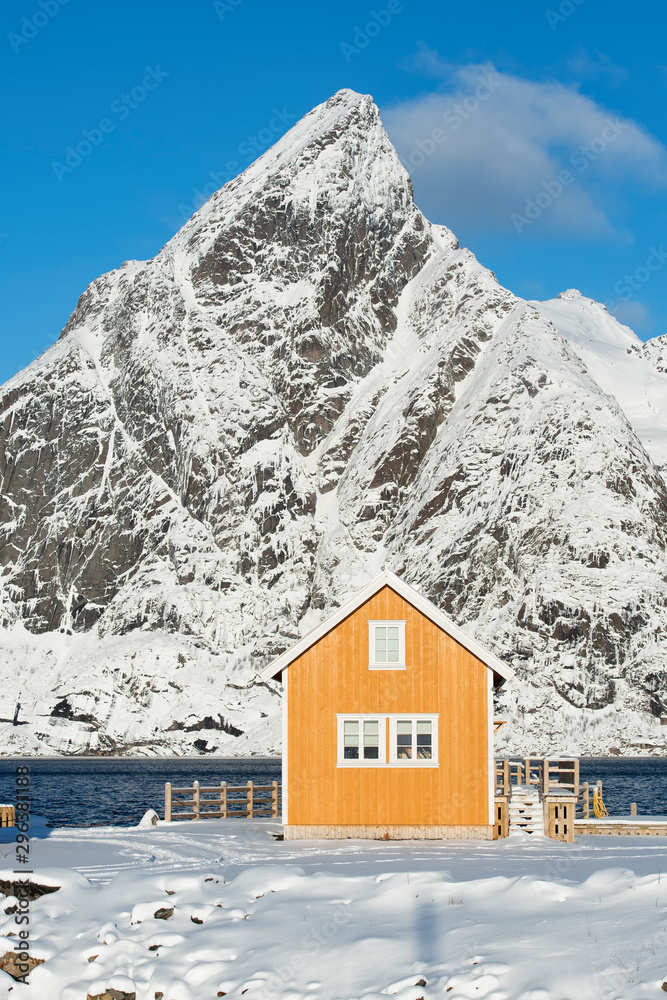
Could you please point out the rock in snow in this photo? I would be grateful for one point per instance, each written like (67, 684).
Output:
(310, 382)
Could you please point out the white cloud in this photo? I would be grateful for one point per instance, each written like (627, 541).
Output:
(487, 142)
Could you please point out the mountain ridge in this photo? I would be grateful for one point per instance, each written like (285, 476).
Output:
(310, 380)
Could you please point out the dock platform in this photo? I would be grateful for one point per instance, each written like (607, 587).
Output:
(623, 826)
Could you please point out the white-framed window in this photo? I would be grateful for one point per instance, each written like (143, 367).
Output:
(386, 645)
(413, 740)
(362, 739)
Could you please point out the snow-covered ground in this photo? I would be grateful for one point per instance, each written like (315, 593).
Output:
(520, 919)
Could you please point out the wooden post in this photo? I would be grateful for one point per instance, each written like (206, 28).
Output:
(506, 778)
(586, 801)
(576, 778)
(527, 761)
(500, 828)
(223, 800)
(196, 799)
(274, 799)
(167, 802)
(633, 808)
(250, 797)
(545, 776)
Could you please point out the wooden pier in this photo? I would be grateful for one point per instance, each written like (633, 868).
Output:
(222, 801)
(623, 826)
(596, 820)
(526, 787)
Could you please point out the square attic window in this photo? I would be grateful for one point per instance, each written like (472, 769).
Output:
(386, 645)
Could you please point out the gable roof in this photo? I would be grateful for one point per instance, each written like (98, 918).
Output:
(387, 579)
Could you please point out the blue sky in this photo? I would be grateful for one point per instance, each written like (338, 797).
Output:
(535, 130)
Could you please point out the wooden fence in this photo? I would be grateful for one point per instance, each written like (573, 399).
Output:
(7, 817)
(222, 801)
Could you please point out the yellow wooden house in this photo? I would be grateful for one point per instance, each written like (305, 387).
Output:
(388, 722)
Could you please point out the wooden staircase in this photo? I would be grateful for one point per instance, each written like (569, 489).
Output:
(536, 795)
(526, 810)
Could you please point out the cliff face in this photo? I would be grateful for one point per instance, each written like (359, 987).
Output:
(310, 381)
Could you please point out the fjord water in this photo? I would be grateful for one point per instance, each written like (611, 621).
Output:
(86, 791)
(118, 790)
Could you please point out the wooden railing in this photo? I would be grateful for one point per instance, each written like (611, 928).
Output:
(503, 782)
(7, 817)
(558, 784)
(552, 777)
(561, 776)
(221, 801)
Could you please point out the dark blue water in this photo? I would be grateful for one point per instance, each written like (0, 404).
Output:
(629, 779)
(118, 790)
(81, 792)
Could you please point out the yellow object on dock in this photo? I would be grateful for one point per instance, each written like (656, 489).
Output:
(599, 808)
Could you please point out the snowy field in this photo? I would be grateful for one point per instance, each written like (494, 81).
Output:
(187, 911)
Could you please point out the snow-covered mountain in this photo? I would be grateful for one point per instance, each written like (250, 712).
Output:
(311, 381)
(635, 373)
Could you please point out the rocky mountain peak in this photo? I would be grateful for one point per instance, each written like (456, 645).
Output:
(339, 151)
(308, 382)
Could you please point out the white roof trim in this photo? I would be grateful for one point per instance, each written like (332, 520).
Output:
(413, 597)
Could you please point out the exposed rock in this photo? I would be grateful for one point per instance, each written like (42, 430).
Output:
(111, 994)
(310, 381)
(25, 890)
(16, 967)
(149, 819)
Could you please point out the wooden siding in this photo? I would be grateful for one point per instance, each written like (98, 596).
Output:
(388, 833)
(442, 677)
